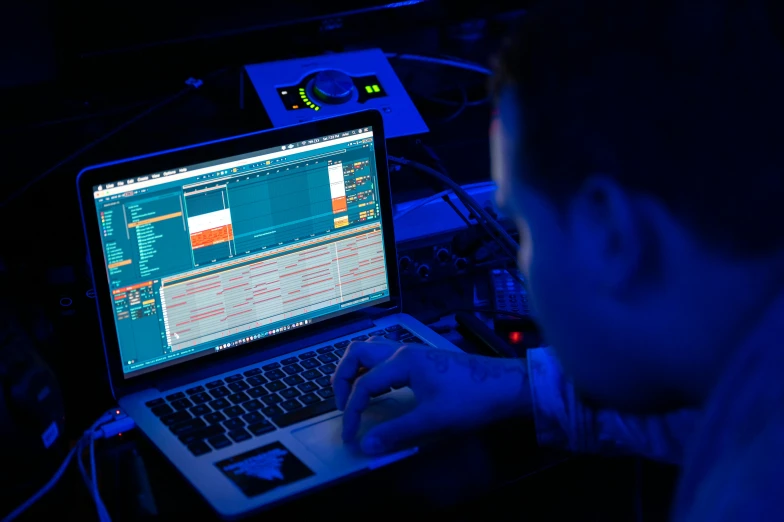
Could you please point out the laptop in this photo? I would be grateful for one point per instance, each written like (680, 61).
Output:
(230, 278)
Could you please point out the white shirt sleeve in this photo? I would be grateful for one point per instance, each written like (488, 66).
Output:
(562, 421)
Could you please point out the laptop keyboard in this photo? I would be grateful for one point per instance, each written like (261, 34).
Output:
(259, 400)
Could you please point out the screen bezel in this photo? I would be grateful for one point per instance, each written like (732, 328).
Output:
(201, 153)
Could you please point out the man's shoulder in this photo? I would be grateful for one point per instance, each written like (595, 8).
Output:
(745, 482)
(735, 467)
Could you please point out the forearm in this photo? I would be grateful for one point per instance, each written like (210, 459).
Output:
(563, 421)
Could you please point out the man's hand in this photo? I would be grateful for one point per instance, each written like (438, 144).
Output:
(453, 390)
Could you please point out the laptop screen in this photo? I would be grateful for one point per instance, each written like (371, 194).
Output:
(202, 258)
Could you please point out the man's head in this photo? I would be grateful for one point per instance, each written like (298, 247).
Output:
(640, 148)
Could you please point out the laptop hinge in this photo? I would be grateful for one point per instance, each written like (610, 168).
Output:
(334, 332)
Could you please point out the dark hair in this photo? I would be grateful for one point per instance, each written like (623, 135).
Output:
(682, 100)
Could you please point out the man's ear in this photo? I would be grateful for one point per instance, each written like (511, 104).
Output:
(611, 234)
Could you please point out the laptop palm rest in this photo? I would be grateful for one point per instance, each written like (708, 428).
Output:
(324, 438)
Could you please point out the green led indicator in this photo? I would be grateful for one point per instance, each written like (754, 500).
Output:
(369, 89)
(301, 89)
(317, 107)
(376, 88)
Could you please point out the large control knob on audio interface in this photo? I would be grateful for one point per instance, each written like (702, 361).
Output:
(333, 86)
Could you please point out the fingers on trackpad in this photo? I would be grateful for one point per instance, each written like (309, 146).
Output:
(324, 438)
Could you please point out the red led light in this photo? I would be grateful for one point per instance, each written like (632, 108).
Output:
(515, 337)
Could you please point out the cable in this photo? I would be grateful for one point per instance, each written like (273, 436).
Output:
(191, 83)
(498, 233)
(439, 195)
(89, 436)
(448, 62)
(460, 109)
(44, 490)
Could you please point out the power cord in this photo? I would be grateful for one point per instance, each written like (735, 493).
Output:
(111, 423)
(493, 228)
(191, 84)
(445, 61)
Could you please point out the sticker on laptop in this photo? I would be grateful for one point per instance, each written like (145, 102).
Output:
(263, 469)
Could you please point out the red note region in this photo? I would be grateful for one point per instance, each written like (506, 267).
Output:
(211, 236)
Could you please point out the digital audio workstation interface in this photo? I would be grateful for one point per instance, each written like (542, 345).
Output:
(207, 257)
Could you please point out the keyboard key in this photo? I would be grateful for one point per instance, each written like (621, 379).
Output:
(222, 391)
(214, 384)
(161, 410)
(275, 386)
(234, 424)
(219, 441)
(309, 398)
(291, 404)
(274, 375)
(199, 410)
(416, 340)
(308, 412)
(289, 393)
(175, 396)
(175, 418)
(328, 369)
(360, 338)
(201, 398)
(340, 351)
(256, 380)
(342, 344)
(327, 358)
(252, 405)
(261, 391)
(307, 355)
(194, 390)
(154, 402)
(260, 428)
(199, 447)
(397, 335)
(292, 369)
(271, 411)
(233, 378)
(201, 434)
(253, 417)
(239, 386)
(325, 349)
(181, 404)
(233, 411)
(239, 435)
(293, 380)
(392, 328)
(326, 393)
(306, 387)
(311, 374)
(377, 333)
(324, 382)
(238, 398)
(219, 404)
(270, 366)
(214, 417)
(290, 360)
(310, 364)
(189, 425)
(272, 399)
(251, 372)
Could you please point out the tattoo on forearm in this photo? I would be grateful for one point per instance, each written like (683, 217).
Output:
(481, 369)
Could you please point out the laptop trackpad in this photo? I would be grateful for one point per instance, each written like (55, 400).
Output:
(324, 439)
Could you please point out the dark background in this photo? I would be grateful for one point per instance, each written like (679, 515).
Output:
(71, 72)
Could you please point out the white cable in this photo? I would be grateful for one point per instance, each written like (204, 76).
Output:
(44, 490)
(426, 201)
(76, 450)
(458, 64)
